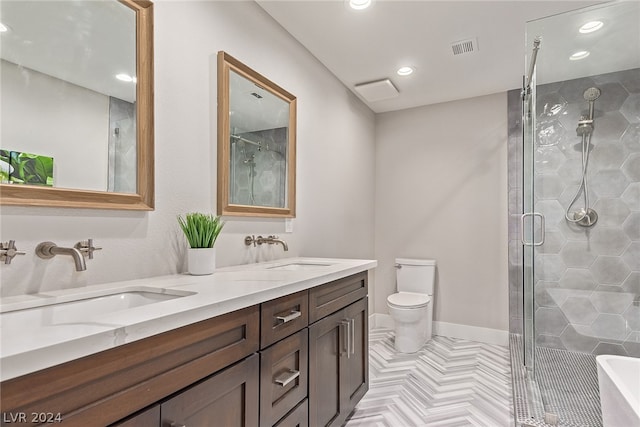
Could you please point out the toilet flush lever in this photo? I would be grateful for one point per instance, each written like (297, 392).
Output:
(398, 266)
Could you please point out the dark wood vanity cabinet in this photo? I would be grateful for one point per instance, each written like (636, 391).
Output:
(108, 386)
(335, 342)
(295, 361)
(338, 364)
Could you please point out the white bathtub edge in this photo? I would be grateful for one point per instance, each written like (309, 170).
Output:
(619, 406)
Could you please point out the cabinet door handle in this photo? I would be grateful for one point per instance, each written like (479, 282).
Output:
(347, 323)
(352, 341)
(289, 317)
(174, 424)
(285, 378)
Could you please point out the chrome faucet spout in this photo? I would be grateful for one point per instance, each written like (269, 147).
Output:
(275, 239)
(252, 240)
(47, 250)
(78, 259)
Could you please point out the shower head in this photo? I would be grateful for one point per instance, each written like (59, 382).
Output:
(591, 94)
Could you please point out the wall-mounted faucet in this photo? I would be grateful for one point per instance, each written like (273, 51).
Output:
(46, 250)
(268, 240)
(8, 251)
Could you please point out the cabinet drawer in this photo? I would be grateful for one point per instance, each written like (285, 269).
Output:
(299, 417)
(283, 377)
(333, 296)
(282, 317)
(228, 398)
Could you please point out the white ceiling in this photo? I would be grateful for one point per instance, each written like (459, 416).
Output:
(369, 45)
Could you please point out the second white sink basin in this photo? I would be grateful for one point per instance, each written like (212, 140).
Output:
(295, 266)
(82, 308)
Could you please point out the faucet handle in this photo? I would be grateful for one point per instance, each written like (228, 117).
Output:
(86, 247)
(8, 251)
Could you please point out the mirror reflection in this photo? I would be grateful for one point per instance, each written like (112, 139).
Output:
(256, 146)
(259, 124)
(68, 84)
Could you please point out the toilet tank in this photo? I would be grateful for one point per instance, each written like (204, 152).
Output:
(415, 275)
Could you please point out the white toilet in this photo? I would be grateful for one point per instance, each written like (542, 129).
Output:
(412, 307)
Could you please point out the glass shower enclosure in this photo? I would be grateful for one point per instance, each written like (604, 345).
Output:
(575, 203)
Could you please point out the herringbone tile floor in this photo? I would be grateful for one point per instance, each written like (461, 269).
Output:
(450, 382)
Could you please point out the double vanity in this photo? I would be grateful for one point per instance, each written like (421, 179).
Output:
(279, 343)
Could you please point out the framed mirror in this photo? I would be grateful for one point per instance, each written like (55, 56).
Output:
(76, 117)
(256, 143)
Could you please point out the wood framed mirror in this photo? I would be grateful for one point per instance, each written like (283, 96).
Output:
(256, 143)
(86, 69)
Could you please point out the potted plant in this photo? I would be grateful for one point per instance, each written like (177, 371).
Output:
(201, 231)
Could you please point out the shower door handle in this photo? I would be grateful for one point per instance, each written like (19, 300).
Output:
(522, 237)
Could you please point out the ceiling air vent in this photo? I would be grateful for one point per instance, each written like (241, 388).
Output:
(464, 46)
(377, 91)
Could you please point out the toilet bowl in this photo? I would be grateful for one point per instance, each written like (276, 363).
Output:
(412, 307)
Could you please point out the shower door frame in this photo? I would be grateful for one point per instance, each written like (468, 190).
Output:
(527, 226)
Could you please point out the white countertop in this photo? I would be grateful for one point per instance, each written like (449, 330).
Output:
(31, 346)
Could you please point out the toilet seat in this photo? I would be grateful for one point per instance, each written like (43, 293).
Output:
(408, 300)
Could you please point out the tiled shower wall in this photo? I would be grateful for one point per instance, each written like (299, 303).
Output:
(258, 175)
(587, 289)
(122, 174)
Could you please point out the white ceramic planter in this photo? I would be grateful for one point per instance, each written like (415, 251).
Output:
(201, 261)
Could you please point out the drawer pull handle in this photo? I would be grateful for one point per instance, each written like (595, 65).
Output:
(174, 424)
(285, 378)
(289, 317)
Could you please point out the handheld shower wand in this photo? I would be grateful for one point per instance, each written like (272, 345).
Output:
(586, 216)
(591, 95)
(585, 124)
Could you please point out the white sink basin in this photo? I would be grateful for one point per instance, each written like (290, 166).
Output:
(82, 308)
(295, 266)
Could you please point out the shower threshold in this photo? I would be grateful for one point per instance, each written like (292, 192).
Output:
(563, 392)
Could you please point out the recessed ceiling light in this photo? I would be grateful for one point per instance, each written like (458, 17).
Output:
(3, 28)
(579, 55)
(591, 26)
(359, 4)
(125, 78)
(404, 71)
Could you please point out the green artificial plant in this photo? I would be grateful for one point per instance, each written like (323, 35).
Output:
(201, 230)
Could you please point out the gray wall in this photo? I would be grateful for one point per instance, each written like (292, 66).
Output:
(587, 287)
(441, 193)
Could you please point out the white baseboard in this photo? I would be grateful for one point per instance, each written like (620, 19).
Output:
(451, 330)
(379, 320)
(473, 333)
